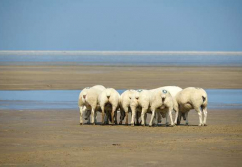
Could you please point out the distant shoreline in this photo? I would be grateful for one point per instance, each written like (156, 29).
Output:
(123, 53)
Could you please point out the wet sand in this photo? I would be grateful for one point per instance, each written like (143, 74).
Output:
(118, 77)
(55, 138)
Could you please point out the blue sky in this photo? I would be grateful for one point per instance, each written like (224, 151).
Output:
(121, 25)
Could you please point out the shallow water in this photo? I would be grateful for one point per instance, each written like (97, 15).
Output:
(67, 99)
(126, 60)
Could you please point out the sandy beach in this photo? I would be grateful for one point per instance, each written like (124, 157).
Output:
(55, 138)
(118, 77)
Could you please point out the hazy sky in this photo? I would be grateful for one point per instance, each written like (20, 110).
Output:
(142, 25)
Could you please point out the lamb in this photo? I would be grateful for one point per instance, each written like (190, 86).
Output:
(88, 101)
(125, 105)
(109, 100)
(192, 98)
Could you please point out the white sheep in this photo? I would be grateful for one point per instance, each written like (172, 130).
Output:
(192, 98)
(161, 101)
(142, 97)
(109, 102)
(125, 105)
(88, 101)
(173, 90)
(140, 102)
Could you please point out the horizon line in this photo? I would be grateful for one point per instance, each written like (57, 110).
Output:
(89, 52)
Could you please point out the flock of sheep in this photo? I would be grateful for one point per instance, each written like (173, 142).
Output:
(160, 103)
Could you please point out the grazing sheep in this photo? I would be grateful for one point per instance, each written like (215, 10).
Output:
(192, 98)
(142, 99)
(140, 102)
(161, 101)
(173, 90)
(109, 100)
(125, 105)
(88, 101)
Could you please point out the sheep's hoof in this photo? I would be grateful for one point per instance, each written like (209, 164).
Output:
(205, 125)
(81, 123)
(150, 125)
(143, 124)
(200, 125)
(173, 125)
(186, 124)
(120, 123)
(167, 125)
(132, 124)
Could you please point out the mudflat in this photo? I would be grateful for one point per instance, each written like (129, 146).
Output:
(55, 138)
(15, 77)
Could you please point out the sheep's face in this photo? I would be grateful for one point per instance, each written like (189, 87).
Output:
(134, 99)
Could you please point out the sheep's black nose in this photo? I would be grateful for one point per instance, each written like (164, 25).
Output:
(163, 99)
(84, 96)
(108, 97)
(85, 118)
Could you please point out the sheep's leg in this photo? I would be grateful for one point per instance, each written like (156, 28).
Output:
(112, 115)
(186, 115)
(143, 116)
(106, 118)
(133, 116)
(152, 118)
(126, 110)
(179, 119)
(89, 118)
(199, 112)
(205, 113)
(81, 112)
(93, 116)
(156, 118)
(159, 117)
(115, 116)
(122, 115)
(170, 114)
(176, 117)
(167, 114)
(137, 118)
(103, 114)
